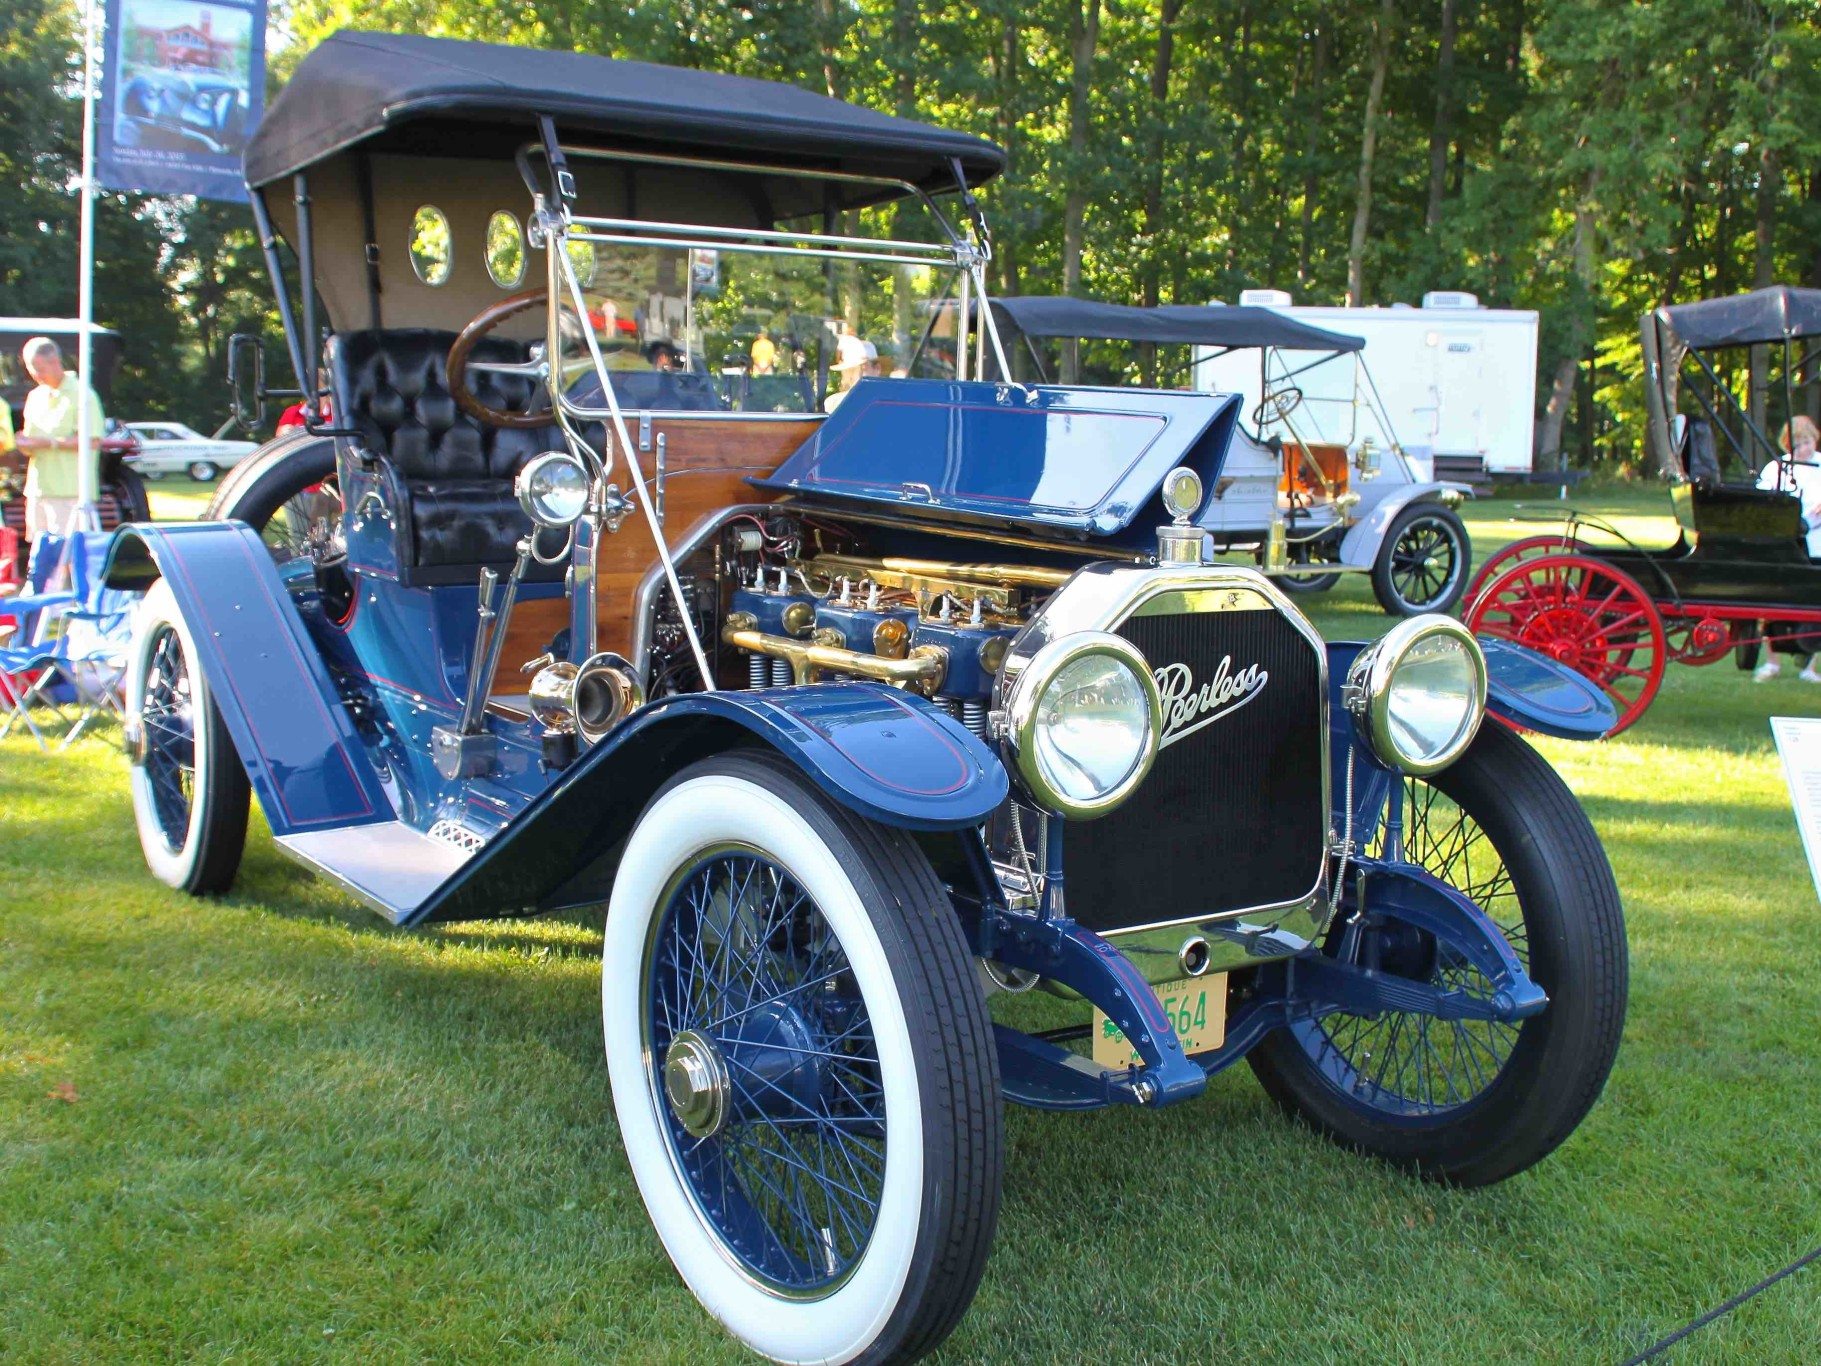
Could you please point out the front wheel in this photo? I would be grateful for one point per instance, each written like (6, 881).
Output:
(189, 790)
(203, 470)
(1422, 563)
(1469, 1101)
(803, 1067)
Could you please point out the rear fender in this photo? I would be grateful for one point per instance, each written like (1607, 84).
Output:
(887, 755)
(290, 728)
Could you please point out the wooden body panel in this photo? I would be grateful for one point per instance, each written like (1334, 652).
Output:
(707, 463)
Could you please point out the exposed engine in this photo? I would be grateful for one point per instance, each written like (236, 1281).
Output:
(797, 614)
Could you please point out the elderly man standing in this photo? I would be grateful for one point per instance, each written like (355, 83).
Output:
(47, 436)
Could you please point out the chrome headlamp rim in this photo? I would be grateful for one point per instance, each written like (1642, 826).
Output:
(1369, 690)
(1027, 690)
(523, 488)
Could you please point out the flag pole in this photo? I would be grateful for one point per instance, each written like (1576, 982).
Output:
(88, 488)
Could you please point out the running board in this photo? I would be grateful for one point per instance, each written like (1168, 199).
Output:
(388, 865)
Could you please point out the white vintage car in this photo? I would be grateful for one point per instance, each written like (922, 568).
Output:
(172, 448)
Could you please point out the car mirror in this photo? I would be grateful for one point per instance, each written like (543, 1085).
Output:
(247, 380)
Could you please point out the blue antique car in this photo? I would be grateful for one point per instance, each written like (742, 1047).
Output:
(862, 723)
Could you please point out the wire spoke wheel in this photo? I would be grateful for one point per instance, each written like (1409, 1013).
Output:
(1416, 1065)
(190, 791)
(803, 1066)
(307, 526)
(764, 1058)
(168, 724)
(1594, 618)
(1468, 1101)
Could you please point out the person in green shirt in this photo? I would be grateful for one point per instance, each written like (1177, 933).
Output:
(47, 436)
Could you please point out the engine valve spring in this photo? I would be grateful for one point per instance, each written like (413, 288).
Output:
(950, 706)
(781, 675)
(973, 715)
(756, 670)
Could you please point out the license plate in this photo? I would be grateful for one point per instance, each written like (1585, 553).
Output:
(1197, 1006)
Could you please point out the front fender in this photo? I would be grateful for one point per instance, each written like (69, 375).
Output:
(1360, 545)
(887, 755)
(1524, 689)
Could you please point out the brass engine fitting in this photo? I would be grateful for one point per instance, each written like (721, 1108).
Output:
(922, 671)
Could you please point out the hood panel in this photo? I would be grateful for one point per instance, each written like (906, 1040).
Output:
(1078, 459)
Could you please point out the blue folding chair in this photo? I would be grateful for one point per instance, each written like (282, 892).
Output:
(79, 640)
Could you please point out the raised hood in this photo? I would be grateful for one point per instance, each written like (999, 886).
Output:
(1083, 461)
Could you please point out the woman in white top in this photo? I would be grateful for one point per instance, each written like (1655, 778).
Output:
(1799, 474)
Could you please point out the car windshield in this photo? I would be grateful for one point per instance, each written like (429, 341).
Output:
(772, 330)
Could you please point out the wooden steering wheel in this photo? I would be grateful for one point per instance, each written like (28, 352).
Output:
(458, 364)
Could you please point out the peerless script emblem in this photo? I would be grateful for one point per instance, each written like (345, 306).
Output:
(1187, 708)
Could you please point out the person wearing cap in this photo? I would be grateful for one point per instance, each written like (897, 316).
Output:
(854, 359)
(47, 436)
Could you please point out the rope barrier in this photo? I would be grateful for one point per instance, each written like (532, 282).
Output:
(1657, 1349)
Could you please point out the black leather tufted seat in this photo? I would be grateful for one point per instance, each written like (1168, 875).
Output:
(455, 472)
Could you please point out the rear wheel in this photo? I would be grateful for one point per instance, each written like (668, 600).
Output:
(1304, 584)
(1422, 564)
(189, 790)
(1473, 1102)
(288, 493)
(803, 1067)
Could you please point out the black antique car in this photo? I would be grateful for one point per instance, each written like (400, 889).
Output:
(861, 723)
(1740, 573)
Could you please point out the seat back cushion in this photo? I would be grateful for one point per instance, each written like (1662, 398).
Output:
(393, 387)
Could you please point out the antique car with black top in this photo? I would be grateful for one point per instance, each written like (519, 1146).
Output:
(1741, 572)
(1301, 488)
(861, 723)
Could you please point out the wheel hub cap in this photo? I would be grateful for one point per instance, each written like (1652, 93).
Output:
(695, 1084)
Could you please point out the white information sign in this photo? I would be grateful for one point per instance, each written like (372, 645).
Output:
(1799, 742)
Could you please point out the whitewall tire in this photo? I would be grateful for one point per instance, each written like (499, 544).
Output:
(189, 790)
(802, 1066)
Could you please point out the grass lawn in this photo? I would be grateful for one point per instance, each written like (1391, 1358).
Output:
(268, 1127)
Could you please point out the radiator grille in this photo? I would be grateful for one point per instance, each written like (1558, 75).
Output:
(1232, 814)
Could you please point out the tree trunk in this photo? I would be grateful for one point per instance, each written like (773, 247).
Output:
(1811, 380)
(1149, 288)
(1368, 145)
(1763, 275)
(1580, 331)
(1084, 36)
(1442, 130)
(827, 27)
(1006, 57)
(904, 92)
(1315, 103)
(1242, 127)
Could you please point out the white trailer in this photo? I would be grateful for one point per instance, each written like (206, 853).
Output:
(1457, 382)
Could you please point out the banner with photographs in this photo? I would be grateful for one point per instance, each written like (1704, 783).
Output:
(182, 90)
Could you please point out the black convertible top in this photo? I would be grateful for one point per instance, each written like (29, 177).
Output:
(1056, 315)
(1764, 315)
(408, 93)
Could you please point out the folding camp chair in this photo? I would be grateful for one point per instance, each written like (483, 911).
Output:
(81, 641)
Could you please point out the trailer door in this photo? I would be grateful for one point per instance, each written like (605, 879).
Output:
(1458, 358)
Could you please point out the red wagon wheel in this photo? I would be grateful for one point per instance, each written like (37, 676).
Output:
(1594, 618)
(1525, 548)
